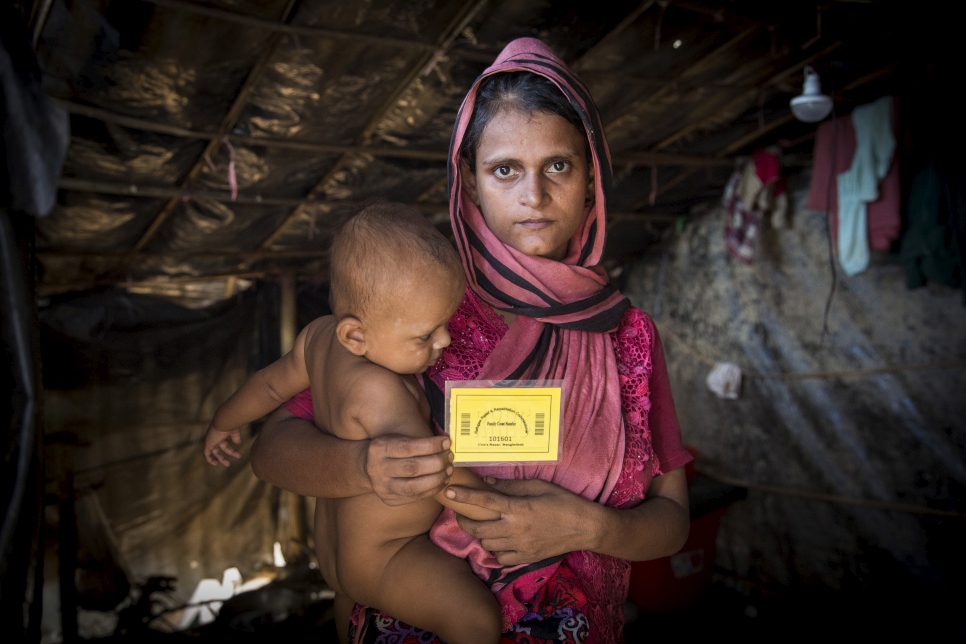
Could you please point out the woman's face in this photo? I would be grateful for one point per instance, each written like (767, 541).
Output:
(531, 181)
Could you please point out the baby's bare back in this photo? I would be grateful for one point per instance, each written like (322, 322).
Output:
(355, 537)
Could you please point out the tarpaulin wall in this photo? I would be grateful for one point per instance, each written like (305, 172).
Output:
(33, 142)
(131, 382)
(876, 412)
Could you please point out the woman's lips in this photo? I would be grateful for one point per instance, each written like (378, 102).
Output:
(535, 223)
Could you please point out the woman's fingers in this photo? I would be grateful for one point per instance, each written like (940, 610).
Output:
(538, 520)
(510, 558)
(400, 491)
(402, 470)
(520, 487)
(479, 529)
(403, 447)
(482, 498)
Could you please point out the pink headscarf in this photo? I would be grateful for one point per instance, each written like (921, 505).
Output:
(565, 310)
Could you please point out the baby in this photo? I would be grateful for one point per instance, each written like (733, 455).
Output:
(395, 283)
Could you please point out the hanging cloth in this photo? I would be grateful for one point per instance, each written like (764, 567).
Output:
(883, 223)
(859, 185)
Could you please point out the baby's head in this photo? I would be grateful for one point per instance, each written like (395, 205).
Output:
(395, 283)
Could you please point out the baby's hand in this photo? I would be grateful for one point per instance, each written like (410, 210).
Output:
(217, 447)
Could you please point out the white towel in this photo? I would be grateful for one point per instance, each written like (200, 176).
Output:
(859, 185)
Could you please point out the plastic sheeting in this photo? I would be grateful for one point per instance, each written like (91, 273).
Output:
(131, 383)
(21, 481)
(35, 133)
(803, 421)
(666, 67)
(180, 68)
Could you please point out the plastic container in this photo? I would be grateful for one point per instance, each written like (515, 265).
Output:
(675, 582)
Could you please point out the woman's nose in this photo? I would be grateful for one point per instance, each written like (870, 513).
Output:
(533, 191)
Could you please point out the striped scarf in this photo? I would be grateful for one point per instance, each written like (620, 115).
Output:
(564, 309)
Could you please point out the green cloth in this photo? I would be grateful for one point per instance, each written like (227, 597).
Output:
(934, 245)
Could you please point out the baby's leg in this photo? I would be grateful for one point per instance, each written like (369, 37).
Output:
(424, 586)
(342, 607)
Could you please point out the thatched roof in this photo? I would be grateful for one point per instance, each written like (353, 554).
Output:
(323, 104)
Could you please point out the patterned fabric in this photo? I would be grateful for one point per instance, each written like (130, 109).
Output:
(742, 223)
(581, 597)
(754, 194)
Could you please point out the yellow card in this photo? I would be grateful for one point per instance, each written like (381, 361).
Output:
(504, 425)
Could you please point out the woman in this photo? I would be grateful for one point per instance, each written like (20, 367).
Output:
(529, 175)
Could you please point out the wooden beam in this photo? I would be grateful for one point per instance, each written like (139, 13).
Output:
(718, 13)
(183, 255)
(617, 30)
(174, 192)
(744, 98)
(131, 122)
(648, 157)
(51, 289)
(644, 157)
(284, 28)
(227, 123)
(263, 141)
(756, 134)
(305, 31)
(673, 85)
(621, 217)
(446, 38)
(168, 192)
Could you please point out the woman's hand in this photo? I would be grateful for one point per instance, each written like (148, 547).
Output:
(538, 520)
(402, 470)
(291, 453)
(541, 520)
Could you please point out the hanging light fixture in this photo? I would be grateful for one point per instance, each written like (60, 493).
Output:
(812, 105)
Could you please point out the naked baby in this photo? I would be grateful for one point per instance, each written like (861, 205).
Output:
(395, 283)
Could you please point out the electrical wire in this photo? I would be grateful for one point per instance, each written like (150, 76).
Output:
(828, 227)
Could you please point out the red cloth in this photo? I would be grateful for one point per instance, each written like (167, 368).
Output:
(768, 168)
(882, 216)
(301, 405)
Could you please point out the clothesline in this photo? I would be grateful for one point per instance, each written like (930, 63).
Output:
(839, 373)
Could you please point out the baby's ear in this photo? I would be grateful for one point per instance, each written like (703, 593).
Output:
(469, 181)
(351, 333)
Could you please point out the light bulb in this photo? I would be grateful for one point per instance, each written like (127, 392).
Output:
(812, 105)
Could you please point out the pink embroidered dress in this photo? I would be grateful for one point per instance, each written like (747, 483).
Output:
(583, 600)
(599, 580)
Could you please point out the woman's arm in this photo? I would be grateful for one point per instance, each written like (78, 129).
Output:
(658, 527)
(542, 520)
(291, 453)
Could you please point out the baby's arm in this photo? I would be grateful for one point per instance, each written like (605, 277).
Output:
(382, 404)
(261, 394)
(466, 478)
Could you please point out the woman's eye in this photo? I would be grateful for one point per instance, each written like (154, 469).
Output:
(559, 166)
(503, 171)
(425, 338)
